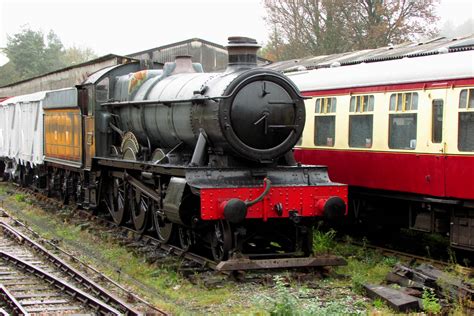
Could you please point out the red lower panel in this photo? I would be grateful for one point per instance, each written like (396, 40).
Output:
(460, 177)
(303, 199)
(435, 175)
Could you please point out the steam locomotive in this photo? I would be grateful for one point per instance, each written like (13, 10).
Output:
(202, 159)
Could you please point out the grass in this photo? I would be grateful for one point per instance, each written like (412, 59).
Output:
(21, 198)
(289, 300)
(363, 265)
(160, 284)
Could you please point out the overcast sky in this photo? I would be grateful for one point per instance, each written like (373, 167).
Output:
(121, 27)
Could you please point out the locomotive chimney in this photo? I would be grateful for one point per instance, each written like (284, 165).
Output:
(242, 53)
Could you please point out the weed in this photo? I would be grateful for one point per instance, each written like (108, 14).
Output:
(378, 303)
(285, 301)
(20, 197)
(390, 261)
(323, 242)
(430, 301)
(2, 190)
(452, 257)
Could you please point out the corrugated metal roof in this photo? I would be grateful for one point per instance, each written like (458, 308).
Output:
(212, 56)
(429, 47)
(456, 65)
(120, 59)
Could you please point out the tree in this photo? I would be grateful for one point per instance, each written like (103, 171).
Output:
(8, 74)
(31, 53)
(76, 55)
(315, 27)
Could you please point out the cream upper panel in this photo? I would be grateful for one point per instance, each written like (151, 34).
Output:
(381, 113)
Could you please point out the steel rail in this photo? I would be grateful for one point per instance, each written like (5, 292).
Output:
(230, 265)
(74, 258)
(171, 249)
(76, 275)
(69, 289)
(399, 253)
(12, 303)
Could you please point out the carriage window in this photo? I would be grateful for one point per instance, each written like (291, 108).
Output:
(402, 131)
(466, 120)
(402, 126)
(402, 102)
(466, 99)
(466, 131)
(437, 121)
(325, 130)
(325, 105)
(361, 121)
(325, 122)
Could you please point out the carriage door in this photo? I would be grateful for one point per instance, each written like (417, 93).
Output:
(437, 139)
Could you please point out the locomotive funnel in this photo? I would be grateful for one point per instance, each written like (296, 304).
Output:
(242, 52)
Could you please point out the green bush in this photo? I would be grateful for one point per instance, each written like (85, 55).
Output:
(323, 242)
(430, 301)
(20, 197)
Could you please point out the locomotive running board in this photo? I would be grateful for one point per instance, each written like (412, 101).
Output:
(258, 264)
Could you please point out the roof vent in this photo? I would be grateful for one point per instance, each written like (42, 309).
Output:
(242, 52)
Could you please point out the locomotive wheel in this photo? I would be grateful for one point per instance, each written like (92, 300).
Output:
(221, 240)
(164, 229)
(185, 238)
(140, 207)
(116, 201)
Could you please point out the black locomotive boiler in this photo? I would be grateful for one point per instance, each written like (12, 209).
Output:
(203, 159)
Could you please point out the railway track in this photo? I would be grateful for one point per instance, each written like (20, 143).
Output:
(405, 255)
(226, 267)
(35, 281)
(206, 263)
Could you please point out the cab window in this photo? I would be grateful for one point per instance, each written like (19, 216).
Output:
(403, 120)
(466, 120)
(325, 122)
(102, 90)
(361, 121)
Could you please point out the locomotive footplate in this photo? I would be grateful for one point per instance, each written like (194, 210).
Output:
(280, 263)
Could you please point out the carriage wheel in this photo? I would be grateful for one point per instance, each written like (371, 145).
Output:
(140, 207)
(164, 228)
(221, 240)
(115, 200)
(185, 238)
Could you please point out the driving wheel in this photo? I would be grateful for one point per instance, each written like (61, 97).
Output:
(140, 206)
(115, 201)
(164, 228)
(221, 240)
(185, 238)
